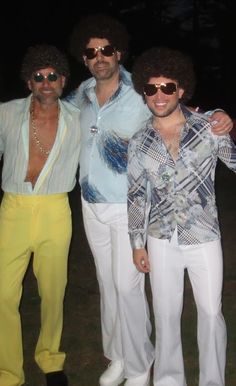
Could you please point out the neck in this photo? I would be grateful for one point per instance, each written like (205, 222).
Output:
(105, 88)
(37, 106)
(175, 119)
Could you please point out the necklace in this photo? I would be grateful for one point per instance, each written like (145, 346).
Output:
(37, 141)
(171, 140)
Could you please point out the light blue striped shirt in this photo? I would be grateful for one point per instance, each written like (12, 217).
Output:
(59, 172)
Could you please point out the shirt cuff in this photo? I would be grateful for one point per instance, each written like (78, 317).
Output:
(211, 112)
(137, 240)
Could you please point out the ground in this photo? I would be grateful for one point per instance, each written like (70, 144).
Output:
(82, 336)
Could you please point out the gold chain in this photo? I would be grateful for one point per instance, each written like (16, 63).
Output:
(37, 141)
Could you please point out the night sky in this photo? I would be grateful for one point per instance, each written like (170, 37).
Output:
(205, 29)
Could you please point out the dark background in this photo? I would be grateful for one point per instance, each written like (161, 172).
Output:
(204, 29)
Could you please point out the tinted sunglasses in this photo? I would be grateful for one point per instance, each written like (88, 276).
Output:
(51, 77)
(91, 53)
(151, 89)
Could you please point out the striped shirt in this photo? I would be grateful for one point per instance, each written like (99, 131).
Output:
(59, 172)
(179, 194)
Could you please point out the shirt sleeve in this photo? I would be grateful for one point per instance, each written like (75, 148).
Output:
(227, 151)
(137, 197)
(1, 138)
(209, 113)
(74, 97)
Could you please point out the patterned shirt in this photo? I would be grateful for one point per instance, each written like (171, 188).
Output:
(105, 133)
(165, 194)
(58, 175)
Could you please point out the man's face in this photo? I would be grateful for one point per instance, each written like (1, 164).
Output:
(165, 98)
(101, 59)
(46, 85)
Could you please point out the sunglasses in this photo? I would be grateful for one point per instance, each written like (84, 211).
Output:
(151, 89)
(51, 77)
(91, 53)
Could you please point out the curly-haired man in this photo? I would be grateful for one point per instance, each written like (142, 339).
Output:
(171, 168)
(40, 142)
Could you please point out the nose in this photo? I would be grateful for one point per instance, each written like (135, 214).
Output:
(45, 80)
(99, 55)
(159, 93)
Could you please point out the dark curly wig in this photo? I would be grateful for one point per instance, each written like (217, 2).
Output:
(100, 26)
(168, 63)
(43, 56)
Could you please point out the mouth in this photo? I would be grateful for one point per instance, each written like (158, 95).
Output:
(47, 91)
(160, 104)
(101, 66)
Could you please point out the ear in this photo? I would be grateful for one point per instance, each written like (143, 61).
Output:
(63, 80)
(85, 60)
(181, 92)
(118, 54)
(29, 85)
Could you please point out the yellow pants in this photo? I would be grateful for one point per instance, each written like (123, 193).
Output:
(40, 225)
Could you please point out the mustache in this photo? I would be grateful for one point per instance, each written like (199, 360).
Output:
(103, 63)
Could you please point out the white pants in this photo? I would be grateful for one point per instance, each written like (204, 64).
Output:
(125, 320)
(168, 261)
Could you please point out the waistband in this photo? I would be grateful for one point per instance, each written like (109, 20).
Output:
(34, 197)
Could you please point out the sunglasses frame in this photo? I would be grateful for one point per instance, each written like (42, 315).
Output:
(94, 51)
(38, 77)
(162, 86)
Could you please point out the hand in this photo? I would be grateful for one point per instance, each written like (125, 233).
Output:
(141, 261)
(221, 123)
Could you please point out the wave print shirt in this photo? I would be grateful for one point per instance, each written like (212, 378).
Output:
(106, 131)
(178, 194)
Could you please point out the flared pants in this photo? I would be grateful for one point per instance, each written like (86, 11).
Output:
(40, 225)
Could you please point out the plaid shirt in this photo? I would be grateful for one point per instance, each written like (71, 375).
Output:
(177, 193)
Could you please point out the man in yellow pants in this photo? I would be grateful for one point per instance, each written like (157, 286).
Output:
(40, 141)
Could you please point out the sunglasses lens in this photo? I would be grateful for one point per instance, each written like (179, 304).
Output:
(90, 53)
(149, 89)
(168, 88)
(108, 50)
(52, 77)
(38, 77)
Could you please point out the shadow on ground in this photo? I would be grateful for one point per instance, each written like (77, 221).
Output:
(82, 336)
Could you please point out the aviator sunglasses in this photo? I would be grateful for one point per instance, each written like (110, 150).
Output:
(91, 53)
(151, 89)
(51, 77)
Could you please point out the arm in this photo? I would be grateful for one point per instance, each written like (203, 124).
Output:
(227, 151)
(1, 136)
(137, 197)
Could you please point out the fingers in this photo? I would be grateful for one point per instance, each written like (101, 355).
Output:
(141, 261)
(142, 266)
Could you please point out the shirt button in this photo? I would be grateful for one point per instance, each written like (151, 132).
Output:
(165, 177)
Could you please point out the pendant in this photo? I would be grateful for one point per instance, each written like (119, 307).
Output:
(93, 129)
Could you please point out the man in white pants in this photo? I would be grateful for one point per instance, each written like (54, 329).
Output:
(171, 168)
(110, 113)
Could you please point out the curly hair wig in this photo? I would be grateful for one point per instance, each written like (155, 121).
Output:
(43, 56)
(164, 62)
(101, 26)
